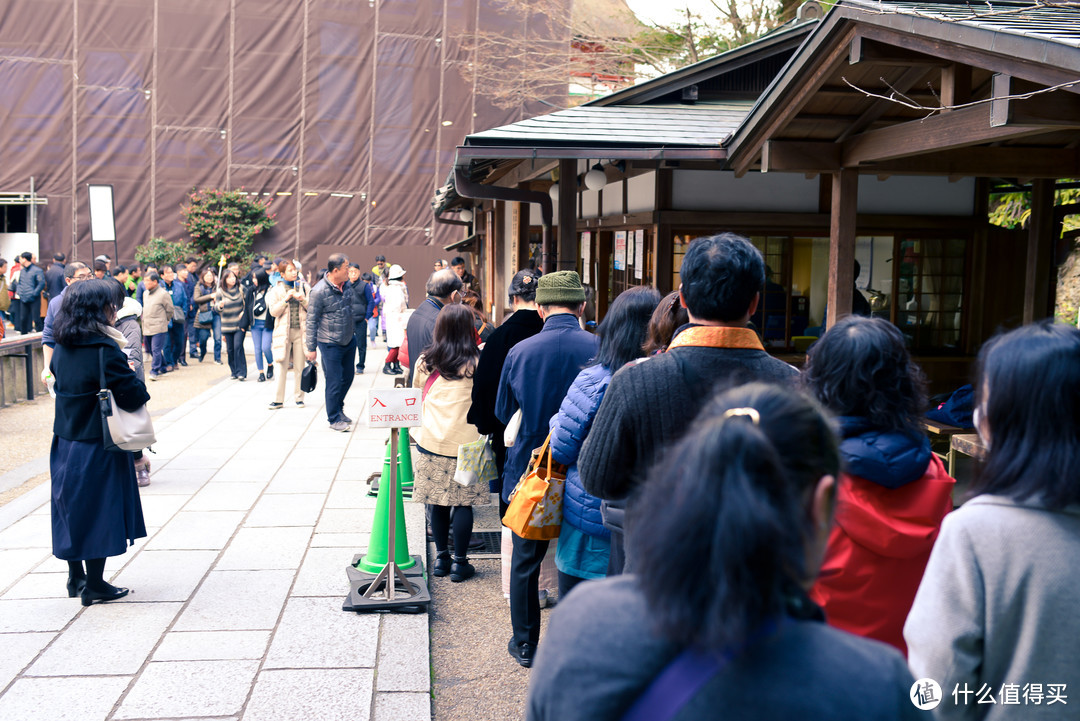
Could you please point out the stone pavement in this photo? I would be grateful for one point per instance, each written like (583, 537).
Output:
(235, 610)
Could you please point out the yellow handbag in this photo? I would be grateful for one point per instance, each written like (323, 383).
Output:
(535, 510)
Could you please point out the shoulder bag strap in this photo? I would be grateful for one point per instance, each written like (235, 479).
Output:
(675, 686)
(427, 386)
(101, 366)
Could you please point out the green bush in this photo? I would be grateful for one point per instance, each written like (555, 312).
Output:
(225, 222)
(163, 252)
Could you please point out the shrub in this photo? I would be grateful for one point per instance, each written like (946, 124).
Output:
(225, 222)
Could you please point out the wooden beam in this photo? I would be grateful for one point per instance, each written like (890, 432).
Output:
(567, 251)
(1054, 108)
(1032, 70)
(1039, 251)
(955, 85)
(795, 156)
(842, 223)
(998, 162)
(865, 50)
(803, 92)
(947, 131)
(879, 108)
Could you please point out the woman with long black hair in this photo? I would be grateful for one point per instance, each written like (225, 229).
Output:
(96, 510)
(445, 372)
(997, 604)
(231, 303)
(262, 324)
(715, 621)
(207, 317)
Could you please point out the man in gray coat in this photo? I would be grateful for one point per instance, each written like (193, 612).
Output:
(330, 329)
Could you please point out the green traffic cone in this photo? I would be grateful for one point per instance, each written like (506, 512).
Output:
(405, 472)
(377, 554)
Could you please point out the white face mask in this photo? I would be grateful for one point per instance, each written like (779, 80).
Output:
(978, 419)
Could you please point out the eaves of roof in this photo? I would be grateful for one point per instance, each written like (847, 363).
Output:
(1039, 34)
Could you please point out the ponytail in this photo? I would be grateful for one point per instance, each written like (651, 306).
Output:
(716, 561)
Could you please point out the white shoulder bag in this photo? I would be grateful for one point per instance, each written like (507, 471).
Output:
(122, 430)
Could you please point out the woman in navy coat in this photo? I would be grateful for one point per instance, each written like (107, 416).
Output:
(96, 511)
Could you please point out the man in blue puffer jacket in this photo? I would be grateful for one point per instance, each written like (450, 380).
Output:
(584, 546)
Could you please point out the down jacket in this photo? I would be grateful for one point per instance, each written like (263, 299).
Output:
(277, 304)
(890, 502)
(329, 318)
(569, 427)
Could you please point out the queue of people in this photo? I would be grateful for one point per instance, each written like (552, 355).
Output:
(733, 529)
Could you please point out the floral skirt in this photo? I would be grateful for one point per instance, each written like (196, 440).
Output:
(434, 483)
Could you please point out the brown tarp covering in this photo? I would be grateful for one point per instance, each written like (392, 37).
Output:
(345, 113)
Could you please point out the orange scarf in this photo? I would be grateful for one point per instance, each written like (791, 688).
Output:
(717, 337)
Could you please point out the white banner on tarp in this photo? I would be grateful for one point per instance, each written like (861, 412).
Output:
(394, 408)
(620, 250)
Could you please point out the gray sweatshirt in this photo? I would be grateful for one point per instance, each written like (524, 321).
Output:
(999, 605)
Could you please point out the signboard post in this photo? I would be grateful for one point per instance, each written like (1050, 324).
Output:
(392, 408)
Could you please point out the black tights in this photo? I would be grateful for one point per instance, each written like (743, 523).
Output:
(94, 574)
(440, 528)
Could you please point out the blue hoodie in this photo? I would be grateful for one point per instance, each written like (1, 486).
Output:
(887, 458)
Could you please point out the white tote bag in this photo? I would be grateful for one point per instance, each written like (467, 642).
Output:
(122, 430)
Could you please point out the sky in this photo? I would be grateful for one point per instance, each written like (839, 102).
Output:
(667, 11)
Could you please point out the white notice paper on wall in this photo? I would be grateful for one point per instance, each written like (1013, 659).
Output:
(639, 254)
(394, 408)
(620, 250)
(586, 256)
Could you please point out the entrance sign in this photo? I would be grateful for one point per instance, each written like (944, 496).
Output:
(394, 408)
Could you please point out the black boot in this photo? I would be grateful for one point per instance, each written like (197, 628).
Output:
(461, 569)
(397, 368)
(442, 565)
(388, 369)
(269, 371)
(77, 578)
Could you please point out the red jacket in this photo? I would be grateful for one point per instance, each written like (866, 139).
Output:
(877, 552)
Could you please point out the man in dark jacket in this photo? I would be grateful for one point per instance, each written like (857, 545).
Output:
(331, 330)
(363, 299)
(31, 284)
(536, 376)
(524, 323)
(442, 287)
(649, 405)
(54, 276)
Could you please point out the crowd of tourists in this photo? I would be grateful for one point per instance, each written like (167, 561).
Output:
(735, 533)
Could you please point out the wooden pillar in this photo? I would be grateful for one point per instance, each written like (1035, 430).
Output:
(1039, 249)
(567, 238)
(500, 246)
(663, 245)
(845, 201)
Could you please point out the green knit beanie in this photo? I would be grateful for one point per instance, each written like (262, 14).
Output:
(563, 287)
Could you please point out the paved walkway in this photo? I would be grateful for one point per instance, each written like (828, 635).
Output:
(252, 516)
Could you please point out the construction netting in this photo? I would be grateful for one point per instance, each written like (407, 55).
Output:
(345, 113)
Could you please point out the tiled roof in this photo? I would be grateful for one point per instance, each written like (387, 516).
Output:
(625, 125)
(1056, 24)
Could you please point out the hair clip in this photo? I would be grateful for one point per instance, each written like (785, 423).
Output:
(751, 413)
(526, 280)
